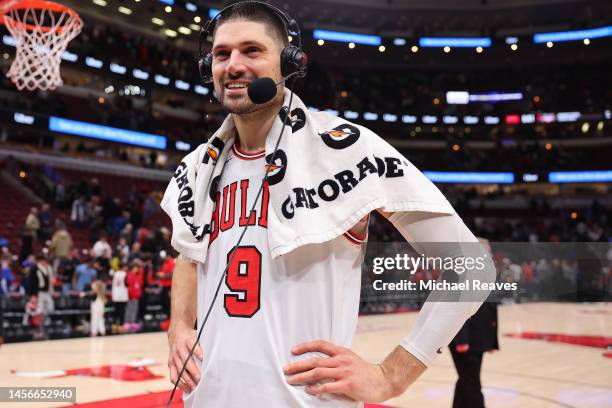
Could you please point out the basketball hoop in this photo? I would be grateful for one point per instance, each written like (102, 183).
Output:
(41, 30)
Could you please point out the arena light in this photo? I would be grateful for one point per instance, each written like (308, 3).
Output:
(8, 40)
(399, 41)
(91, 130)
(370, 116)
(595, 176)
(585, 127)
(101, 3)
(182, 85)
(457, 97)
(351, 115)
(389, 117)
(157, 21)
(168, 9)
(513, 119)
(496, 97)
(545, 117)
(470, 177)
(332, 112)
(125, 10)
(409, 119)
(191, 7)
(94, 63)
(449, 119)
(470, 120)
(70, 56)
(212, 13)
(455, 42)
(528, 118)
(345, 37)
(511, 40)
(568, 116)
(183, 146)
(160, 79)
(576, 35)
(194, 27)
(202, 90)
(170, 33)
(530, 178)
(169, 2)
(491, 120)
(140, 74)
(430, 119)
(184, 30)
(23, 119)
(117, 69)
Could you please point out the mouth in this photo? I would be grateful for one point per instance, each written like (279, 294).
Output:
(236, 86)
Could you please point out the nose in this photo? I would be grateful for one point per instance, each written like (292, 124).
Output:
(235, 66)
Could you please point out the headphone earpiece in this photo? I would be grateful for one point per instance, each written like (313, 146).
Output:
(205, 68)
(293, 59)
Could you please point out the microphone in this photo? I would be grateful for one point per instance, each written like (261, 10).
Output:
(263, 90)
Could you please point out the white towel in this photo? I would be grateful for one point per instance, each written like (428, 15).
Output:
(328, 173)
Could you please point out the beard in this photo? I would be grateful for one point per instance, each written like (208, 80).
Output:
(242, 105)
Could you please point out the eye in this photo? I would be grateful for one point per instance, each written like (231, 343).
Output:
(252, 50)
(220, 55)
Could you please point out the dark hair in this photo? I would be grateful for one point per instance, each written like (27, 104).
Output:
(252, 11)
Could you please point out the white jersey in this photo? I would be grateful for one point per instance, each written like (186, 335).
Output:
(265, 307)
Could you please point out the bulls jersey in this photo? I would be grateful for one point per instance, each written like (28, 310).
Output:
(265, 307)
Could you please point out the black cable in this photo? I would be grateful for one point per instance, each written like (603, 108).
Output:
(288, 113)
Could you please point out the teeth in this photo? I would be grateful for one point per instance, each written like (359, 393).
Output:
(236, 85)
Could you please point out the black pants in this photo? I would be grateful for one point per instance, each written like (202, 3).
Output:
(467, 389)
(119, 314)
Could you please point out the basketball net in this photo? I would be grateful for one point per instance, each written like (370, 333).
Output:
(41, 31)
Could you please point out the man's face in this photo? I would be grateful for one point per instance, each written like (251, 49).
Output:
(242, 52)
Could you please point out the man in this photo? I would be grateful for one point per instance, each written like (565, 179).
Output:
(84, 275)
(280, 331)
(40, 284)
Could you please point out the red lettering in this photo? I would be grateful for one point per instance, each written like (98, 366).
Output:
(227, 216)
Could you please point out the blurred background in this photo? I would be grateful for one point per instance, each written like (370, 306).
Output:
(505, 105)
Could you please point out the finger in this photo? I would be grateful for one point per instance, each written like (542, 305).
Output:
(199, 353)
(314, 375)
(310, 363)
(318, 345)
(191, 370)
(335, 387)
(186, 375)
(174, 376)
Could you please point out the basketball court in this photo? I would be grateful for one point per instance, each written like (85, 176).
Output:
(525, 373)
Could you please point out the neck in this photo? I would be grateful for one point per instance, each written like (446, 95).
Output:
(253, 128)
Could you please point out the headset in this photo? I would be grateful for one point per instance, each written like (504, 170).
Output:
(292, 59)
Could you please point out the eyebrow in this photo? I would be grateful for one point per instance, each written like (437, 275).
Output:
(242, 44)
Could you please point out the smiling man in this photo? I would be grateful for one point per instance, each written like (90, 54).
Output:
(280, 332)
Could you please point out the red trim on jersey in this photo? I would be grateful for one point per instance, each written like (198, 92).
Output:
(263, 215)
(215, 219)
(241, 154)
(355, 238)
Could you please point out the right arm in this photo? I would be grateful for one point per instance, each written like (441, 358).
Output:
(181, 334)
